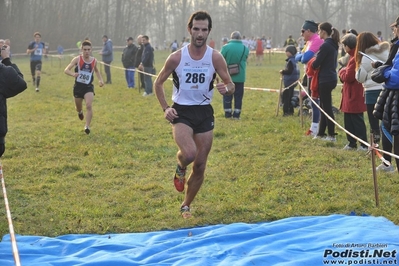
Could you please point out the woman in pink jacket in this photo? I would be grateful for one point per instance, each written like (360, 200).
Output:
(352, 102)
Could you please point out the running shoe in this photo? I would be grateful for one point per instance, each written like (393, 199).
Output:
(377, 138)
(179, 179)
(87, 130)
(185, 212)
(310, 133)
(349, 148)
(385, 168)
(362, 148)
(329, 138)
(37, 89)
(80, 115)
(147, 94)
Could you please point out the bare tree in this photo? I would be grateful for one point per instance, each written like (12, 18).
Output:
(66, 22)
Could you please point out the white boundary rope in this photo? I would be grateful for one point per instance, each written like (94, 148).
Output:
(277, 91)
(347, 132)
(134, 70)
(10, 225)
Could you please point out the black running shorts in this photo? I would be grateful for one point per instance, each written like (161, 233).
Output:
(199, 117)
(35, 65)
(79, 91)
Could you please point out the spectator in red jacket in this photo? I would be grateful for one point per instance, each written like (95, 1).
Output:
(352, 102)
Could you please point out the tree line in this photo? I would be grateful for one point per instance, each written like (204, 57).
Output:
(67, 21)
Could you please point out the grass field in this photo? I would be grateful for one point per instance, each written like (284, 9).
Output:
(119, 178)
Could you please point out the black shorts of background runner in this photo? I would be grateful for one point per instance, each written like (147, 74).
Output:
(79, 91)
(35, 65)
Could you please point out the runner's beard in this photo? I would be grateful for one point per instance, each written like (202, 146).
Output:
(199, 42)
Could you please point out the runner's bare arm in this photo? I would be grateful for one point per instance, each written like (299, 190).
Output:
(170, 65)
(98, 74)
(29, 51)
(71, 65)
(226, 87)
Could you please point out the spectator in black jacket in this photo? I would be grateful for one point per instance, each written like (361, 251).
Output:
(326, 62)
(128, 61)
(11, 84)
(137, 62)
(386, 108)
(147, 65)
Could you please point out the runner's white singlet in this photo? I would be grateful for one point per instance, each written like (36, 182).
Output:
(193, 79)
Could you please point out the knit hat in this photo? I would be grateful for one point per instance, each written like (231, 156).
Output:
(310, 25)
(130, 39)
(396, 23)
(291, 49)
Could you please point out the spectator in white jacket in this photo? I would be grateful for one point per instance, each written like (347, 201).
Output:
(369, 44)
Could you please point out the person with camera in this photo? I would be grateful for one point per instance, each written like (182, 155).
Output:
(236, 54)
(11, 83)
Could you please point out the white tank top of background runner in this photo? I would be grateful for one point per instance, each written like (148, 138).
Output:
(193, 79)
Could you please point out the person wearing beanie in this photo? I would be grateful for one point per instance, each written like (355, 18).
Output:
(290, 77)
(235, 53)
(291, 49)
(313, 43)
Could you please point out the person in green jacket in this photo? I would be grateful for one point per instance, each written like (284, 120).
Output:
(235, 52)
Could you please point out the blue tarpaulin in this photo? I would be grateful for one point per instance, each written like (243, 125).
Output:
(314, 240)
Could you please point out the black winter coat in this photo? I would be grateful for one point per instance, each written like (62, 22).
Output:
(129, 56)
(139, 53)
(387, 110)
(11, 84)
(387, 106)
